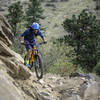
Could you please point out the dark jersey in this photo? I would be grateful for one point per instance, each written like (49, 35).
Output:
(30, 36)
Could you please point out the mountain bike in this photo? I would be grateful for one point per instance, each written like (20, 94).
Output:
(35, 61)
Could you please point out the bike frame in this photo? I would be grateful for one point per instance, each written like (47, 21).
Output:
(34, 52)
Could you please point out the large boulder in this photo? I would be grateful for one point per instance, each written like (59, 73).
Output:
(8, 91)
(93, 91)
(13, 61)
(11, 66)
(5, 33)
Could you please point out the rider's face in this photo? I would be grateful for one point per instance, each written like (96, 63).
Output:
(35, 31)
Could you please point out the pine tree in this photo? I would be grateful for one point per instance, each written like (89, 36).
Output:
(85, 38)
(34, 12)
(15, 15)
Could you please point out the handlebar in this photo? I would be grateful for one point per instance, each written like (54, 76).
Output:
(40, 43)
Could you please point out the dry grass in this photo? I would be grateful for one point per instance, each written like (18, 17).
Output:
(53, 24)
(56, 16)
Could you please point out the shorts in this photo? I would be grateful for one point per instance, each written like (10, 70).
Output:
(29, 45)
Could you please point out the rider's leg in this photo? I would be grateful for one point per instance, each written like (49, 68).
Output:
(28, 56)
(28, 48)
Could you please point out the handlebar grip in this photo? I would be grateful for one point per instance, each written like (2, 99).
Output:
(22, 42)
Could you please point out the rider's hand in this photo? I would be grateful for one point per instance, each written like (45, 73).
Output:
(45, 42)
(22, 42)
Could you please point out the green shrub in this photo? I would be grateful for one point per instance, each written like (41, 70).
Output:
(34, 12)
(84, 37)
(97, 68)
(62, 67)
(15, 15)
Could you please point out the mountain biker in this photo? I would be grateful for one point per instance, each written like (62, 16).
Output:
(29, 39)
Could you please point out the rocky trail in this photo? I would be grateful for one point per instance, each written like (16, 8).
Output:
(55, 87)
(51, 87)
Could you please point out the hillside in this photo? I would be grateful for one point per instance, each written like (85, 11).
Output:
(55, 13)
(19, 83)
(58, 11)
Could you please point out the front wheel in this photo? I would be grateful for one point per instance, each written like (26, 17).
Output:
(39, 66)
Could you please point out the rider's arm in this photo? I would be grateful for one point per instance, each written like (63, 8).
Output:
(24, 33)
(41, 35)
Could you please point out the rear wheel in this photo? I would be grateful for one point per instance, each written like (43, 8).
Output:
(39, 66)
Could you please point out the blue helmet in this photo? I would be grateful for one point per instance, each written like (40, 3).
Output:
(35, 26)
